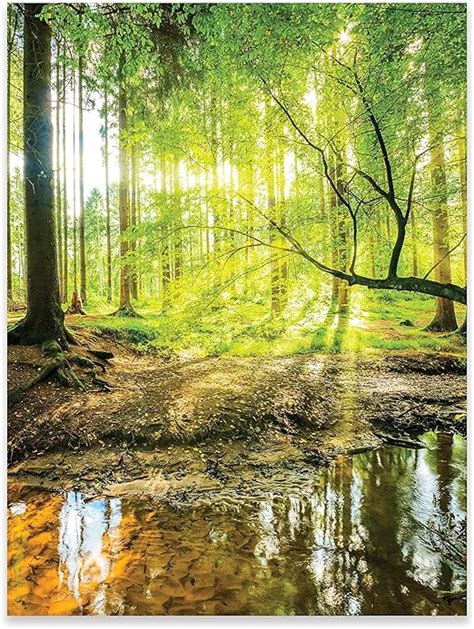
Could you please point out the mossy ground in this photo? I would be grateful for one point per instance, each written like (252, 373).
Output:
(246, 328)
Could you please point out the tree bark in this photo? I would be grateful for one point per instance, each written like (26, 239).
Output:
(414, 245)
(463, 191)
(165, 247)
(133, 217)
(343, 297)
(65, 204)
(125, 305)
(75, 306)
(178, 223)
(8, 191)
(271, 192)
(82, 247)
(333, 214)
(59, 215)
(44, 318)
(107, 197)
(445, 317)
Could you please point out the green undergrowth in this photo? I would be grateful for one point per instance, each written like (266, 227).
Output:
(375, 322)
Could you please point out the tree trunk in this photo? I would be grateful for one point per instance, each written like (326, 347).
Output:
(59, 215)
(9, 239)
(133, 218)
(165, 247)
(445, 317)
(75, 306)
(343, 297)
(274, 264)
(283, 264)
(178, 238)
(414, 238)
(333, 214)
(44, 318)
(125, 306)
(107, 198)
(82, 247)
(65, 205)
(271, 191)
(463, 191)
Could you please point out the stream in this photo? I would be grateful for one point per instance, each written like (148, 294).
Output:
(366, 535)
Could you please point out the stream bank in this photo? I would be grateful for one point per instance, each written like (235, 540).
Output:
(241, 486)
(367, 534)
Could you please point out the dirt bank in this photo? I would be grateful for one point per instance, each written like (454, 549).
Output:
(337, 403)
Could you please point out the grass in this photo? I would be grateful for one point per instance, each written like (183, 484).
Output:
(239, 327)
(245, 328)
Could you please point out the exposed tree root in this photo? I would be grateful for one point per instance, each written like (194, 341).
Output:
(59, 365)
(28, 332)
(126, 311)
(103, 355)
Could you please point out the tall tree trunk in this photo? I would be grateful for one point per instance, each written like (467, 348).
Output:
(271, 192)
(276, 306)
(414, 241)
(125, 305)
(333, 218)
(178, 237)
(44, 318)
(445, 317)
(9, 238)
(283, 264)
(343, 297)
(165, 247)
(82, 246)
(133, 217)
(107, 197)
(65, 203)
(463, 191)
(59, 215)
(74, 184)
(139, 276)
(75, 306)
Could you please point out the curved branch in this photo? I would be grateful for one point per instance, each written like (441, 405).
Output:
(444, 257)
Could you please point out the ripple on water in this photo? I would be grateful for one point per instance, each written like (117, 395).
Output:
(353, 539)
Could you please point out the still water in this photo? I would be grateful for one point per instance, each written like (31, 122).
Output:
(356, 540)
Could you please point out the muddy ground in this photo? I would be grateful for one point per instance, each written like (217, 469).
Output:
(219, 421)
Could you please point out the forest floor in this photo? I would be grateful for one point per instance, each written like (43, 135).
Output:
(181, 422)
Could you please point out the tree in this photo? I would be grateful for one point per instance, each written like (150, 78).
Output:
(125, 305)
(82, 245)
(107, 196)
(382, 174)
(44, 320)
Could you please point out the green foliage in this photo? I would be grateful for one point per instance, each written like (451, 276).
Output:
(371, 326)
(226, 104)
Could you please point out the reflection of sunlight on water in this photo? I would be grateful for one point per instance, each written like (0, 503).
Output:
(18, 508)
(81, 537)
(351, 542)
(268, 546)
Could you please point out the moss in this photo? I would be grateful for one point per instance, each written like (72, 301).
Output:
(246, 328)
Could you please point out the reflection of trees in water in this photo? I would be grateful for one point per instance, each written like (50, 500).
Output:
(352, 546)
(445, 479)
(88, 542)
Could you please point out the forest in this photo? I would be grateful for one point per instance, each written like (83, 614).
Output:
(236, 286)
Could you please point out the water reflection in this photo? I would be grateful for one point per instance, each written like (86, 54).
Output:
(358, 543)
